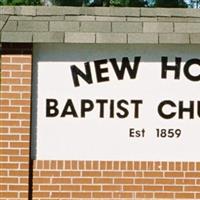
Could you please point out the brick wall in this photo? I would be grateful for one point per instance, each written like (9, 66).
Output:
(116, 180)
(15, 120)
(72, 179)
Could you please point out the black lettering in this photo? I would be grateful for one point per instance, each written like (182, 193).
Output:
(187, 66)
(175, 68)
(101, 102)
(136, 103)
(69, 109)
(122, 108)
(51, 108)
(160, 109)
(76, 72)
(86, 106)
(111, 108)
(190, 110)
(100, 70)
(125, 65)
(198, 108)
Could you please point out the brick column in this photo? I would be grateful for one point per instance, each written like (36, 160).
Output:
(15, 104)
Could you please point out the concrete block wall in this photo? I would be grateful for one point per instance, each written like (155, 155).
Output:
(104, 24)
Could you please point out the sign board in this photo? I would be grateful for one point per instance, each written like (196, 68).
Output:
(117, 102)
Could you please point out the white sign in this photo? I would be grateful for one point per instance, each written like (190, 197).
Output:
(119, 102)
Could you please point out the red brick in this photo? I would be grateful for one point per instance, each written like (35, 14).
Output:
(60, 195)
(112, 174)
(49, 187)
(81, 195)
(185, 181)
(18, 187)
(103, 180)
(144, 181)
(91, 173)
(82, 180)
(20, 60)
(184, 196)
(192, 174)
(70, 173)
(164, 195)
(164, 181)
(173, 188)
(102, 195)
(21, 74)
(61, 180)
(122, 195)
(152, 188)
(19, 130)
(70, 188)
(8, 194)
(41, 180)
(123, 181)
(91, 188)
(111, 187)
(40, 194)
(174, 174)
(11, 67)
(10, 96)
(153, 174)
(192, 188)
(144, 195)
(132, 188)
(5, 59)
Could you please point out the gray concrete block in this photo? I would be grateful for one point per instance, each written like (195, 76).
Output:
(162, 12)
(50, 37)
(143, 38)
(179, 19)
(141, 19)
(49, 18)
(55, 10)
(79, 37)
(64, 26)
(192, 12)
(87, 11)
(153, 12)
(110, 19)
(7, 10)
(95, 27)
(16, 37)
(178, 12)
(80, 18)
(126, 27)
(37, 26)
(195, 38)
(1, 24)
(171, 19)
(111, 38)
(187, 27)
(3, 17)
(157, 27)
(20, 18)
(102, 11)
(25, 10)
(10, 26)
(124, 11)
(174, 38)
